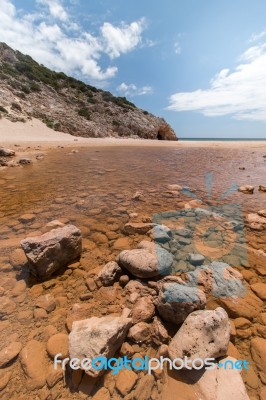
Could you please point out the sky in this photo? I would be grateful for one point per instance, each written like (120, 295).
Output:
(199, 64)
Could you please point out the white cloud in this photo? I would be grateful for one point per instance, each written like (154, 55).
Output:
(177, 48)
(120, 40)
(132, 90)
(240, 93)
(61, 44)
(56, 9)
(257, 36)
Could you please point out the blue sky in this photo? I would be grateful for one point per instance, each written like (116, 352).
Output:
(199, 64)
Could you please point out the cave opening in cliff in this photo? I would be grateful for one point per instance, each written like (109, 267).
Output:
(160, 136)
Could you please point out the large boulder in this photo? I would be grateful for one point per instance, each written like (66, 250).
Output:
(53, 250)
(204, 334)
(6, 152)
(144, 264)
(176, 300)
(95, 337)
(222, 383)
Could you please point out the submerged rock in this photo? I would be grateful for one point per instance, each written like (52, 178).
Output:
(204, 334)
(143, 264)
(176, 300)
(95, 337)
(53, 250)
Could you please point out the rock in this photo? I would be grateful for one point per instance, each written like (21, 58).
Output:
(143, 310)
(222, 383)
(262, 188)
(143, 264)
(260, 290)
(52, 225)
(47, 302)
(131, 228)
(121, 244)
(242, 323)
(58, 343)
(176, 300)
(138, 196)
(262, 213)
(141, 332)
(96, 337)
(144, 388)
(91, 285)
(54, 376)
(204, 334)
(219, 279)
(196, 259)
(123, 280)
(8, 353)
(5, 377)
(126, 350)
(258, 352)
(125, 381)
(110, 273)
(246, 189)
(174, 187)
(53, 250)
(160, 233)
(27, 218)
(39, 314)
(17, 259)
(32, 358)
(256, 222)
(6, 152)
(8, 306)
(24, 161)
(248, 306)
(160, 334)
(102, 394)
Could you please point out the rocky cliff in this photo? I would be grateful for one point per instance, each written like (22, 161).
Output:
(28, 89)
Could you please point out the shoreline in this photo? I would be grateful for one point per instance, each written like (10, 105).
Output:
(35, 133)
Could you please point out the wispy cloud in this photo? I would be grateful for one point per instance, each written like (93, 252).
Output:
(55, 39)
(257, 36)
(132, 90)
(177, 48)
(240, 92)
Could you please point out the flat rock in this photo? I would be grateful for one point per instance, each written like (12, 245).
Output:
(144, 264)
(248, 189)
(122, 244)
(259, 289)
(248, 306)
(110, 273)
(27, 218)
(8, 353)
(96, 337)
(176, 300)
(125, 381)
(131, 228)
(258, 352)
(47, 302)
(33, 362)
(222, 383)
(53, 250)
(204, 334)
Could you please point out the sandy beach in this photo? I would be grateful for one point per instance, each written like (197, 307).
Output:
(36, 133)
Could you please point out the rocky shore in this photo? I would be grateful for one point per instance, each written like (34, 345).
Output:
(132, 285)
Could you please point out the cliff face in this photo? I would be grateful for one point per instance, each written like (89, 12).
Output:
(28, 89)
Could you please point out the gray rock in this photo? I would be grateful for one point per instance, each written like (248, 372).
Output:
(6, 152)
(204, 334)
(196, 259)
(110, 273)
(161, 233)
(53, 250)
(95, 337)
(176, 300)
(144, 264)
(183, 232)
